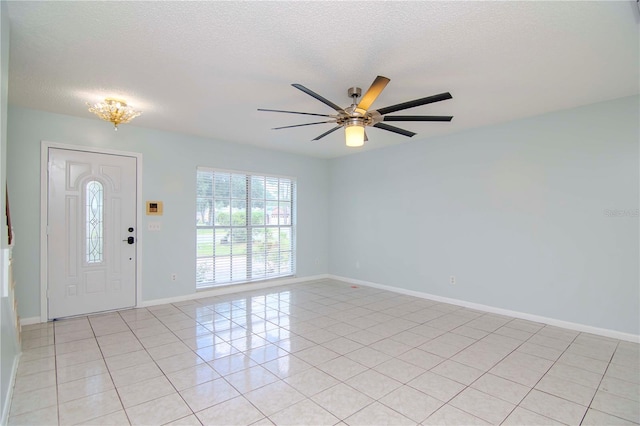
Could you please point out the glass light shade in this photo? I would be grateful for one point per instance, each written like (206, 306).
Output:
(115, 111)
(354, 136)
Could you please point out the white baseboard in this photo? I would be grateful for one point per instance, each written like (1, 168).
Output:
(29, 321)
(491, 309)
(236, 288)
(485, 308)
(6, 404)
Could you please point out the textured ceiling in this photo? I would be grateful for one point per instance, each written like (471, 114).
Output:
(203, 68)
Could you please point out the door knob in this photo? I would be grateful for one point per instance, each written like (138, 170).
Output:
(129, 240)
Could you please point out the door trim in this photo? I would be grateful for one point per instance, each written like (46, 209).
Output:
(44, 208)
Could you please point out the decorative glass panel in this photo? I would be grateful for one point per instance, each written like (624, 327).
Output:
(94, 222)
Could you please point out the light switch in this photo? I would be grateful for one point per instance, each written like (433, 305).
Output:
(154, 226)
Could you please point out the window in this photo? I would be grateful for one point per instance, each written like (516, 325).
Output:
(245, 226)
(94, 200)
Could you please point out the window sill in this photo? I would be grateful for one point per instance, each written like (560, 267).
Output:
(242, 283)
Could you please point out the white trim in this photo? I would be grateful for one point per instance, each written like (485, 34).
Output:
(29, 321)
(44, 207)
(491, 309)
(249, 226)
(139, 241)
(44, 184)
(244, 172)
(6, 404)
(233, 288)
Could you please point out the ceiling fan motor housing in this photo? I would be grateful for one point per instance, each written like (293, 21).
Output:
(360, 114)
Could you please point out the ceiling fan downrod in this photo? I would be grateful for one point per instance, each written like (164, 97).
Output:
(360, 115)
(354, 93)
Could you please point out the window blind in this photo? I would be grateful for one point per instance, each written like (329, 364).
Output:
(245, 225)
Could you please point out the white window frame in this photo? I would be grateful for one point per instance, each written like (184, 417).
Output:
(250, 274)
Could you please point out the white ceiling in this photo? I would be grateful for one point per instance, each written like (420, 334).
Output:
(203, 68)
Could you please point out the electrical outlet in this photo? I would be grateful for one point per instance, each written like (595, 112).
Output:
(174, 277)
(452, 279)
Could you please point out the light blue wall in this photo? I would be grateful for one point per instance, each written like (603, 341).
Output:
(169, 174)
(516, 211)
(9, 348)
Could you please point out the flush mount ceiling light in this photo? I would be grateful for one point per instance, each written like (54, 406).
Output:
(115, 111)
(356, 117)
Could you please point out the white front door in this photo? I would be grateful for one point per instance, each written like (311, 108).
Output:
(91, 233)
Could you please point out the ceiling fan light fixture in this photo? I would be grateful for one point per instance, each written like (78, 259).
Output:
(354, 133)
(115, 111)
(359, 115)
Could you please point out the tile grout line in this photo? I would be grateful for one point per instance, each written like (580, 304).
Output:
(539, 380)
(389, 307)
(157, 365)
(55, 354)
(108, 370)
(599, 384)
(241, 394)
(487, 372)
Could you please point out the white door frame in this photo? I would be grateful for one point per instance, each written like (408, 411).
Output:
(44, 208)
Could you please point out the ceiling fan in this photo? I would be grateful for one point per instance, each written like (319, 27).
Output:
(358, 116)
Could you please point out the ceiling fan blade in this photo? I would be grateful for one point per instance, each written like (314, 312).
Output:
(326, 133)
(294, 112)
(393, 129)
(300, 125)
(374, 91)
(415, 103)
(318, 97)
(417, 118)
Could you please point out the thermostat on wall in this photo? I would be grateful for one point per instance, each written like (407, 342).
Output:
(154, 208)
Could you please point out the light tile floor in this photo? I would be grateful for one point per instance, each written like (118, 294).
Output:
(320, 353)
